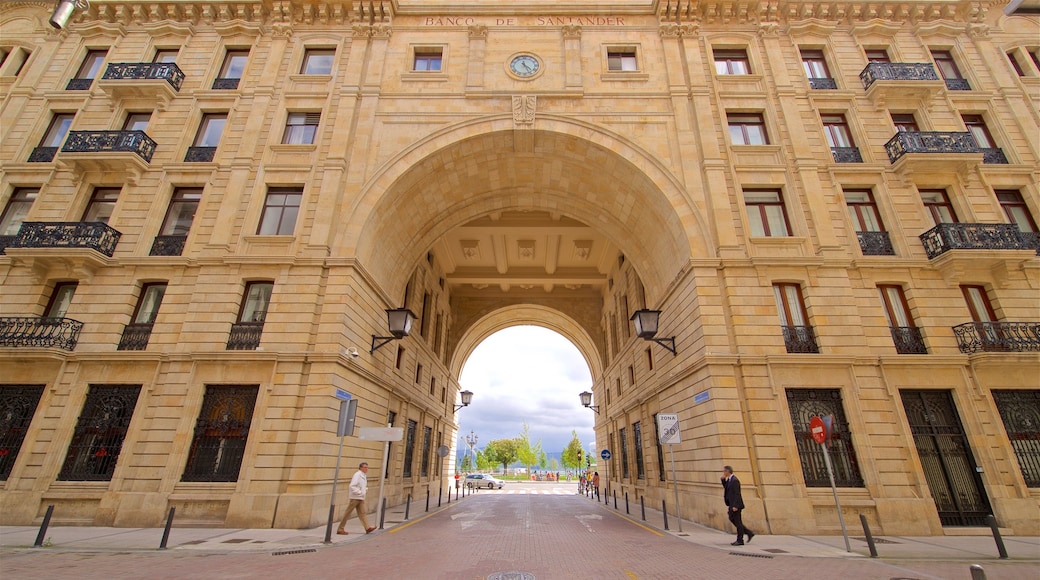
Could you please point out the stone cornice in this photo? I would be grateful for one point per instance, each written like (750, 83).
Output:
(751, 12)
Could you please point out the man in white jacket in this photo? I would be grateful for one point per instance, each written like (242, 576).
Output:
(357, 491)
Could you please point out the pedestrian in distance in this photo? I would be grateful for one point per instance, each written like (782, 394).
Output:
(595, 483)
(356, 495)
(734, 504)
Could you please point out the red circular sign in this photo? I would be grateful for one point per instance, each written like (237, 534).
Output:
(819, 432)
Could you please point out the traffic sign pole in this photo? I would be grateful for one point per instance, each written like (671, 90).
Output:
(675, 485)
(605, 455)
(821, 433)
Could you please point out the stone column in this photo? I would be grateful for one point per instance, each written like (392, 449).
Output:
(477, 48)
(572, 56)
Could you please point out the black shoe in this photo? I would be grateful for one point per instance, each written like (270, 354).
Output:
(749, 536)
(737, 543)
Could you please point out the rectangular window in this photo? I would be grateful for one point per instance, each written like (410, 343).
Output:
(137, 334)
(17, 406)
(798, 334)
(257, 300)
(61, 299)
(624, 452)
(177, 223)
(165, 55)
(418, 373)
(17, 209)
(101, 205)
(948, 69)
(863, 210)
(231, 69)
(300, 128)
(428, 59)
(905, 334)
(837, 130)
(732, 62)
(211, 127)
(136, 121)
(88, 70)
(622, 60)
(660, 451)
(878, 55)
(425, 468)
(905, 122)
(100, 431)
(1034, 55)
(409, 449)
(281, 206)
(637, 435)
(57, 130)
(815, 66)
(806, 404)
(766, 213)
(318, 61)
(1015, 209)
(938, 205)
(221, 433)
(978, 304)
(1020, 412)
(649, 359)
(747, 129)
(433, 385)
(400, 357)
(12, 60)
(424, 321)
(977, 127)
(1015, 64)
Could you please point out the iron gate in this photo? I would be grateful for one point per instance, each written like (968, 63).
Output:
(949, 466)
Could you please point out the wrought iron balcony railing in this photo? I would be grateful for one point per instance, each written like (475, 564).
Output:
(168, 246)
(166, 71)
(1031, 240)
(993, 155)
(905, 142)
(5, 242)
(91, 235)
(101, 141)
(897, 71)
(945, 237)
(245, 335)
(875, 244)
(800, 339)
(823, 84)
(42, 154)
(200, 154)
(908, 340)
(958, 85)
(975, 337)
(79, 84)
(135, 336)
(32, 331)
(846, 155)
(225, 84)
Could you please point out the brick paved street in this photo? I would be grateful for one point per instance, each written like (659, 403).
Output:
(548, 532)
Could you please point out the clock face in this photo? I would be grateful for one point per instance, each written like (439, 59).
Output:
(524, 65)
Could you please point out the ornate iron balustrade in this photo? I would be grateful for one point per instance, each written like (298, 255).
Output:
(846, 155)
(897, 71)
(200, 154)
(1020, 411)
(1030, 239)
(100, 432)
(33, 331)
(17, 406)
(79, 84)
(993, 155)
(245, 335)
(875, 244)
(98, 141)
(221, 433)
(945, 237)
(823, 84)
(91, 235)
(957, 85)
(800, 339)
(975, 337)
(5, 242)
(225, 84)
(166, 71)
(168, 246)
(135, 336)
(42, 154)
(930, 142)
(908, 340)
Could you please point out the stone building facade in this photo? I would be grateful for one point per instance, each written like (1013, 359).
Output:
(208, 208)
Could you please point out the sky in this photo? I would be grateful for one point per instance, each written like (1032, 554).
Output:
(526, 373)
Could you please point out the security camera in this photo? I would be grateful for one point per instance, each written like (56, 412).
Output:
(353, 352)
(63, 12)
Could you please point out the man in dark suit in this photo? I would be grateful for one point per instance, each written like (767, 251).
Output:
(735, 505)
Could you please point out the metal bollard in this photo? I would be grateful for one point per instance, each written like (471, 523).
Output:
(977, 573)
(626, 503)
(992, 521)
(43, 527)
(382, 515)
(169, 524)
(615, 499)
(664, 512)
(440, 493)
(642, 507)
(407, 506)
(427, 499)
(870, 538)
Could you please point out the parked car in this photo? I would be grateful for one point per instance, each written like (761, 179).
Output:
(474, 480)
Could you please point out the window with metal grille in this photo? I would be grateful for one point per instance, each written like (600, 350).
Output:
(181, 213)
(637, 435)
(100, 432)
(221, 432)
(409, 448)
(17, 406)
(425, 469)
(1020, 411)
(814, 64)
(88, 70)
(624, 452)
(231, 69)
(806, 404)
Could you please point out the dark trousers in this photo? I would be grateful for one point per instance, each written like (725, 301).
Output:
(734, 516)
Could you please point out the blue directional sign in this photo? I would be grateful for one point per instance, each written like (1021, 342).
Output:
(342, 395)
(605, 454)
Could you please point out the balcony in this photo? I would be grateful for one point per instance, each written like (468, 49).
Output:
(1030, 239)
(200, 154)
(908, 340)
(945, 237)
(973, 337)
(155, 81)
(225, 84)
(123, 151)
(993, 156)
(95, 236)
(897, 84)
(823, 84)
(957, 85)
(5, 242)
(43, 154)
(846, 155)
(135, 336)
(875, 244)
(245, 335)
(800, 339)
(168, 246)
(32, 331)
(933, 151)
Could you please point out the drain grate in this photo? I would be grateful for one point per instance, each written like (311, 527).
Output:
(194, 543)
(776, 551)
(287, 552)
(766, 556)
(236, 541)
(511, 576)
(876, 540)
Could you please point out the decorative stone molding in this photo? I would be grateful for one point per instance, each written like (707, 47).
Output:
(671, 30)
(372, 31)
(478, 31)
(572, 31)
(524, 107)
(769, 29)
(725, 12)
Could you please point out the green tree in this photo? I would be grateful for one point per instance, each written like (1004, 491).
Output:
(554, 465)
(543, 460)
(467, 463)
(501, 451)
(572, 453)
(526, 453)
(482, 461)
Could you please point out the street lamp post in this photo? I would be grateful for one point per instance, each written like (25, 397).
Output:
(471, 441)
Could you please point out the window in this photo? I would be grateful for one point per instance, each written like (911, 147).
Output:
(428, 59)
(139, 331)
(17, 406)
(624, 452)
(637, 435)
(979, 304)
(210, 129)
(815, 66)
(221, 433)
(1015, 64)
(878, 55)
(424, 320)
(938, 205)
(863, 210)
(165, 55)
(424, 469)
(806, 404)
(949, 71)
(391, 416)
(12, 60)
(622, 59)
(300, 128)
(837, 129)
(17, 209)
(440, 442)
(1020, 412)
(101, 205)
(732, 62)
(660, 450)
(409, 449)
(905, 123)
(767, 216)
(798, 335)
(281, 207)
(136, 121)
(61, 299)
(88, 70)
(400, 357)
(1015, 209)
(231, 69)
(747, 129)
(649, 359)
(257, 300)
(100, 432)
(1034, 55)
(318, 61)
(177, 223)
(433, 385)
(977, 127)
(418, 373)
(905, 334)
(53, 138)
